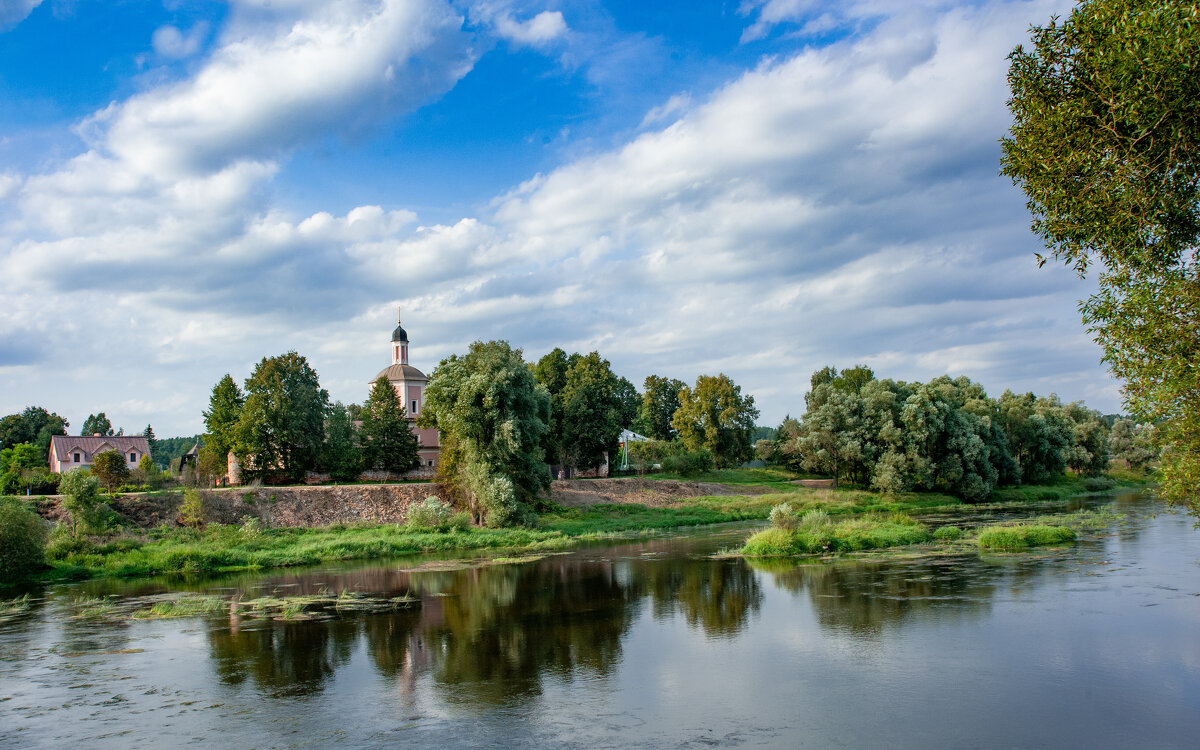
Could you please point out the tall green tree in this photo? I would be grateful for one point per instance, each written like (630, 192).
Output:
(1089, 453)
(593, 411)
(660, 401)
(1038, 434)
(551, 372)
(1132, 443)
(282, 423)
(221, 417)
(714, 415)
(33, 425)
(830, 438)
(342, 456)
(1105, 142)
(148, 433)
(110, 468)
(494, 413)
(388, 443)
(97, 424)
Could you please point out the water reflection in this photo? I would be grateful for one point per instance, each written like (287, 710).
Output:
(718, 596)
(283, 658)
(484, 635)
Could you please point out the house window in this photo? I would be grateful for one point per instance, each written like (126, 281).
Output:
(76, 458)
(132, 458)
(414, 406)
(430, 463)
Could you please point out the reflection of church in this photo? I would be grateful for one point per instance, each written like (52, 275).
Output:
(409, 383)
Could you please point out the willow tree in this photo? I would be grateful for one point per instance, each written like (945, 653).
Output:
(493, 413)
(1105, 142)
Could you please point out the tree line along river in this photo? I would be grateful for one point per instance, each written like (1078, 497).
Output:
(653, 643)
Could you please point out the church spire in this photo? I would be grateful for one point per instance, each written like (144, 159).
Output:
(399, 343)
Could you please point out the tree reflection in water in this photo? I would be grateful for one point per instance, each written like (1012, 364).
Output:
(718, 596)
(490, 634)
(283, 658)
(865, 597)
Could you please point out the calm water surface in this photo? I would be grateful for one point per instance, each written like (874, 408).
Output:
(647, 644)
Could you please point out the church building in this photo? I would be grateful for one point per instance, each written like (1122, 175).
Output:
(409, 383)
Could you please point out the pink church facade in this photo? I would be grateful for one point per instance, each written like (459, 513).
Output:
(410, 383)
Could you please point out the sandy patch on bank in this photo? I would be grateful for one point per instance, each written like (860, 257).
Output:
(581, 493)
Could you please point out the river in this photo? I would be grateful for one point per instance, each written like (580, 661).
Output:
(646, 644)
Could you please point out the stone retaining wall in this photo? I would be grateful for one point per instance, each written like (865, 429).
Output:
(347, 503)
(274, 506)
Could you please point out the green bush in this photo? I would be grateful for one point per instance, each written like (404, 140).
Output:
(81, 498)
(191, 510)
(816, 534)
(22, 540)
(768, 542)
(1098, 484)
(460, 521)
(688, 463)
(783, 516)
(63, 544)
(1019, 536)
(948, 533)
(430, 513)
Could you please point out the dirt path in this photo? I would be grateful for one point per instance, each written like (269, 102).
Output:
(580, 493)
(814, 484)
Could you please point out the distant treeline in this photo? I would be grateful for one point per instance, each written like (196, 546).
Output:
(165, 450)
(946, 435)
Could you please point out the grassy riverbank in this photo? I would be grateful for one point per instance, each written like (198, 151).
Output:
(815, 533)
(218, 548)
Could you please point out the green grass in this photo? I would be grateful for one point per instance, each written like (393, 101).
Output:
(770, 476)
(173, 606)
(1019, 536)
(816, 534)
(602, 520)
(218, 549)
(948, 533)
(232, 548)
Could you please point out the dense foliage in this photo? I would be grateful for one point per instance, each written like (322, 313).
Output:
(281, 426)
(96, 424)
(1105, 142)
(670, 456)
(343, 457)
(221, 421)
(33, 425)
(493, 414)
(387, 441)
(660, 401)
(589, 406)
(22, 540)
(715, 416)
(110, 468)
(23, 469)
(81, 498)
(946, 435)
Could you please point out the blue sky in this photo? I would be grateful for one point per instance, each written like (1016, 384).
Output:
(756, 188)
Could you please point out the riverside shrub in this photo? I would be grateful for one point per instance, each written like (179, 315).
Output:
(1019, 536)
(22, 540)
(784, 516)
(430, 513)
